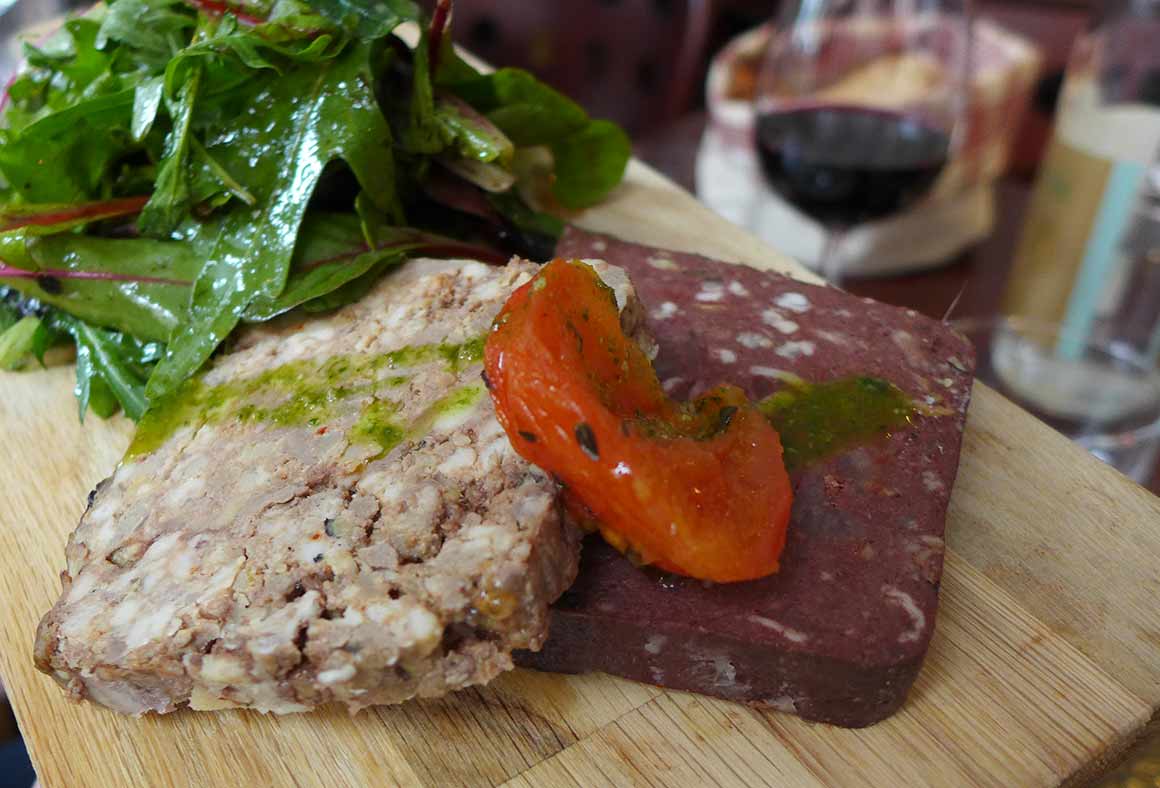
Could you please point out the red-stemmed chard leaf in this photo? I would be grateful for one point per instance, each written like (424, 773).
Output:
(40, 219)
(134, 285)
(11, 272)
(333, 264)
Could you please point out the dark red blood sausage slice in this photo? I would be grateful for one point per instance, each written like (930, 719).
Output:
(840, 633)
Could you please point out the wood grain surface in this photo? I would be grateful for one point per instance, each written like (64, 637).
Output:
(1044, 666)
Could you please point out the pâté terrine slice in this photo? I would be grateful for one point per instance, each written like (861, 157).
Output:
(330, 513)
(839, 634)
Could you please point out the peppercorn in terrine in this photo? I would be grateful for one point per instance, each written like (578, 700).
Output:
(330, 513)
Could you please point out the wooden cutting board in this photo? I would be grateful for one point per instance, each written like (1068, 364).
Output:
(1045, 663)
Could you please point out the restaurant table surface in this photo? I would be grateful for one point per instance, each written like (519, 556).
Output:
(976, 277)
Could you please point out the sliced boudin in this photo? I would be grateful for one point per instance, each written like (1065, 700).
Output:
(330, 513)
(838, 635)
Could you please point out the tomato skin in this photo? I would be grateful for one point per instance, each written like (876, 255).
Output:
(697, 488)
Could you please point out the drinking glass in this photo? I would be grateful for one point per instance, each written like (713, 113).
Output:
(1096, 389)
(859, 106)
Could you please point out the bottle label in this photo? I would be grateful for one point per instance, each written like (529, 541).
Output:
(1070, 249)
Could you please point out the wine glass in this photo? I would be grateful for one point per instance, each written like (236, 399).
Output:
(859, 106)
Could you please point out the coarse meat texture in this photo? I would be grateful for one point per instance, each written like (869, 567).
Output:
(839, 634)
(330, 513)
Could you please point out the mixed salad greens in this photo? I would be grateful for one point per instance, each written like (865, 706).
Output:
(170, 169)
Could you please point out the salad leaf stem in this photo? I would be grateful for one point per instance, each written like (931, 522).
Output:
(236, 189)
(54, 218)
(11, 272)
(440, 18)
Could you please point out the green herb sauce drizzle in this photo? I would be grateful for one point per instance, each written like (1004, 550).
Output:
(817, 420)
(309, 393)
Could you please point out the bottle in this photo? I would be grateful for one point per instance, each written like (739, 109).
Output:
(1072, 266)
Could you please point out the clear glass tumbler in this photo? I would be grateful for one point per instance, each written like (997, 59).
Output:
(1100, 391)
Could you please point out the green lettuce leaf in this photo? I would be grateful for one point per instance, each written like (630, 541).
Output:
(17, 341)
(525, 109)
(590, 163)
(66, 156)
(170, 202)
(109, 362)
(310, 116)
(147, 299)
(590, 155)
(368, 19)
(331, 252)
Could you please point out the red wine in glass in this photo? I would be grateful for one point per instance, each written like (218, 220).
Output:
(843, 165)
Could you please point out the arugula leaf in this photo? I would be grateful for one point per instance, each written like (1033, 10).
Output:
(65, 156)
(470, 134)
(420, 132)
(67, 122)
(368, 19)
(14, 307)
(350, 291)
(64, 69)
(116, 361)
(525, 109)
(73, 55)
(590, 163)
(220, 176)
(310, 116)
(146, 102)
(227, 46)
(144, 286)
(46, 337)
(452, 68)
(10, 314)
(102, 401)
(465, 141)
(170, 201)
(17, 341)
(331, 252)
(152, 30)
(83, 389)
(590, 155)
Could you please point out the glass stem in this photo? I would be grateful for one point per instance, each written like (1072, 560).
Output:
(829, 264)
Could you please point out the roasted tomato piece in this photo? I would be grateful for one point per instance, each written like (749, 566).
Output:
(697, 488)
